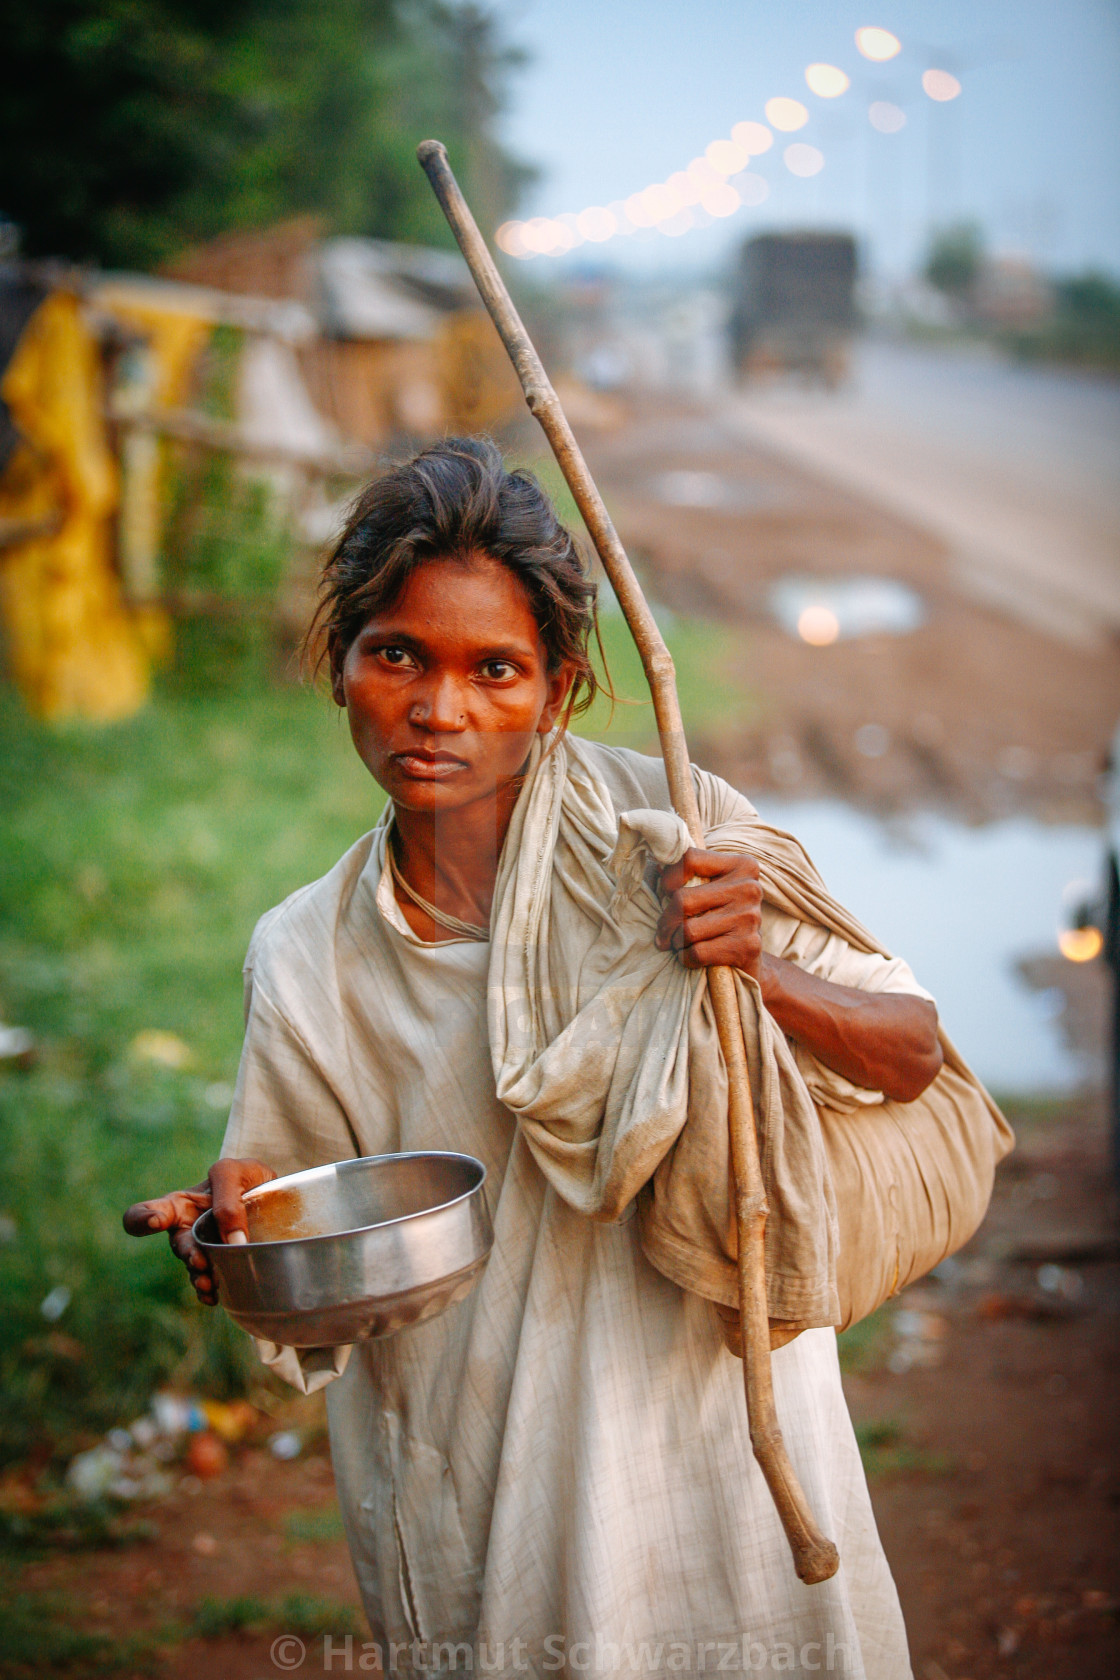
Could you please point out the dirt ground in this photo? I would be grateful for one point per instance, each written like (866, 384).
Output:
(985, 714)
(986, 1403)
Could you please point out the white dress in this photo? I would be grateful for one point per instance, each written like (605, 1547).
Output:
(554, 1477)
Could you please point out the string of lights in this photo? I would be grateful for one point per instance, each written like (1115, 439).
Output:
(722, 181)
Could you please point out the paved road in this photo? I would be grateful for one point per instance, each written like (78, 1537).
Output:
(1016, 469)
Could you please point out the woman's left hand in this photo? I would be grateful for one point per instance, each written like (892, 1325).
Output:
(717, 921)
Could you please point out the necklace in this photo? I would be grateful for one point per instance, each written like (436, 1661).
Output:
(465, 930)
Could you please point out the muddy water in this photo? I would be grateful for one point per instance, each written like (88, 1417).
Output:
(961, 905)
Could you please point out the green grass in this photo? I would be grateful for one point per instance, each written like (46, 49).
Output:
(885, 1452)
(866, 1345)
(38, 1637)
(302, 1613)
(134, 862)
(320, 1525)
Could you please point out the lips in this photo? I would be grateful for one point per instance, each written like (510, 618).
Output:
(425, 765)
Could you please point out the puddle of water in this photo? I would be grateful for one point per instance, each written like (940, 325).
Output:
(961, 905)
(830, 609)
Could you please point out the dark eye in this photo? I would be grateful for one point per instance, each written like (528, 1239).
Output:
(499, 670)
(397, 657)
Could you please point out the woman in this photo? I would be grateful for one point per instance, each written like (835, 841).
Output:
(555, 1476)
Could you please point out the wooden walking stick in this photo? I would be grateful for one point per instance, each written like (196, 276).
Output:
(815, 1557)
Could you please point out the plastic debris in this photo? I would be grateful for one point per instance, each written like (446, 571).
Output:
(53, 1306)
(286, 1444)
(230, 1420)
(206, 1457)
(175, 1415)
(108, 1472)
(132, 1463)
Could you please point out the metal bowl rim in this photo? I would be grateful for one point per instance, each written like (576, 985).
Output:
(354, 1230)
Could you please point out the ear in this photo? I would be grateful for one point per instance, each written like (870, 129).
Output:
(559, 687)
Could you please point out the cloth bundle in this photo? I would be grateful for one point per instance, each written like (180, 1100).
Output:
(606, 1050)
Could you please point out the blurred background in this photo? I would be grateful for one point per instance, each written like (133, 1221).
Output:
(832, 297)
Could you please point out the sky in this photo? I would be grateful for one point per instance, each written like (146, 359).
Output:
(621, 93)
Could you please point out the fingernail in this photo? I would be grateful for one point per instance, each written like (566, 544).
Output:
(236, 1238)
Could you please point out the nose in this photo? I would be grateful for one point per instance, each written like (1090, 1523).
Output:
(442, 708)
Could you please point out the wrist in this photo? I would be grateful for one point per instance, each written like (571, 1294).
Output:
(769, 978)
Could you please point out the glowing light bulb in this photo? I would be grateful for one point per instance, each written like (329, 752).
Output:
(544, 237)
(596, 224)
(721, 200)
(509, 238)
(1080, 944)
(755, 136)
(702, 173)
(827, 81)
(638, 211)
(940, 85)
(878, 44)
(819, 626)
(786, 114)
(727, 157)
(685, 185)
(803, 160)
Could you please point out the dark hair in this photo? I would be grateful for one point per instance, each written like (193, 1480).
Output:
(452, 501)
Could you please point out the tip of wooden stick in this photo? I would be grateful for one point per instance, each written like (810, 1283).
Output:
(428, 149)
(817, 1562)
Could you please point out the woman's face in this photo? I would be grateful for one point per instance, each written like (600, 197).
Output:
(446, 688)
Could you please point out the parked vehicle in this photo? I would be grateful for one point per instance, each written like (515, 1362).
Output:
(794, 309)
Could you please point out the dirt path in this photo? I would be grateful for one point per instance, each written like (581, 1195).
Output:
(984, 714)
(987, 1409)
(997, 1481)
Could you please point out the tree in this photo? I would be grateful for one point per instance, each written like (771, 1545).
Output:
(131, 128)
(955, 256)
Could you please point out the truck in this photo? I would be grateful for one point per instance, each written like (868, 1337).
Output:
(793, 309)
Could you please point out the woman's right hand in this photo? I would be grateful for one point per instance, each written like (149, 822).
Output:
(226, 1183)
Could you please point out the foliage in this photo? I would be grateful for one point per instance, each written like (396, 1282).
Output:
(885, 1451)
(864, 1347)
(319, 1525)
(1084, 328)
(131, 128)
(300, 1613)
(955, 257)
(38, 1636)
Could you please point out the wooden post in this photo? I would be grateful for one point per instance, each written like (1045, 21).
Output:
(815, 1557)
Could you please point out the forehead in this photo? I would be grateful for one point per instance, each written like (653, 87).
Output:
(467, 601)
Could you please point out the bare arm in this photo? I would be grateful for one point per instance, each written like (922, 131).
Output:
(882, 1041)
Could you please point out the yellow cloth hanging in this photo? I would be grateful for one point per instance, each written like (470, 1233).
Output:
(74, 649)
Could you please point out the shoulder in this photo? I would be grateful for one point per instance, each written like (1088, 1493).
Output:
(636, 780)
(300, 930)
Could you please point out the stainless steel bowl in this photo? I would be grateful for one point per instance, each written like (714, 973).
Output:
(359, 1249)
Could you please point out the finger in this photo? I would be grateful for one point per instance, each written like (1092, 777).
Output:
(718, 924)
(229, 1180)
(164, 1213)
(743, 896)
(186, 1249)
(708, 866)
(714, 953)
